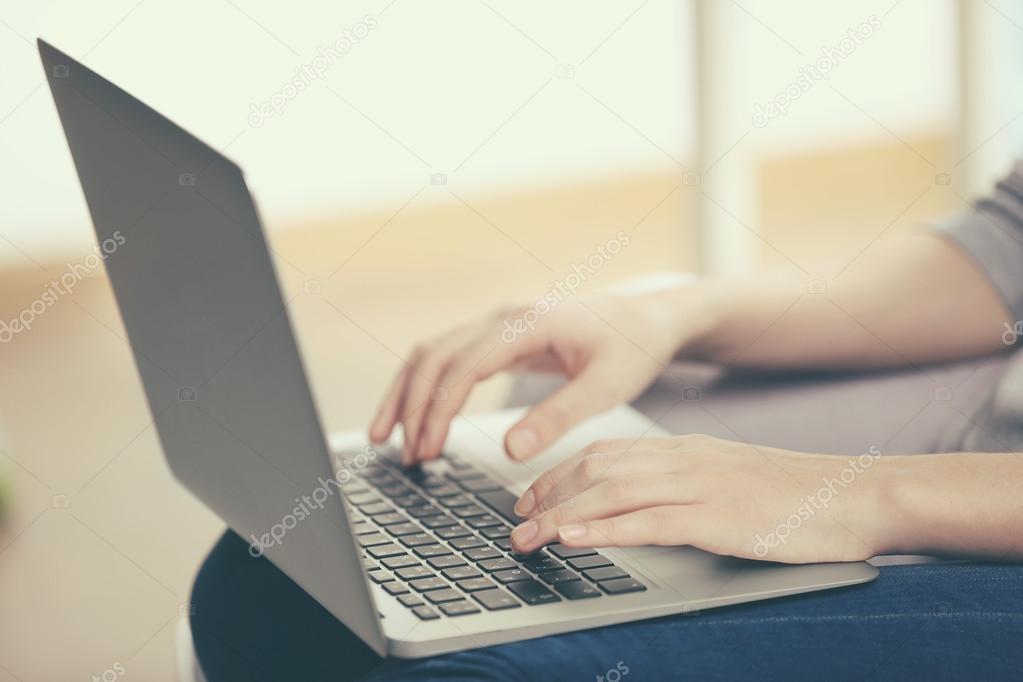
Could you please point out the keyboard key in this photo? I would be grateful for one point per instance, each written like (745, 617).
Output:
(533, 593)
(352, 490)
(373, 539)
(512, 575)
(460, 572)
(460, 608)
(412, 500)
(577, 589)
(584, 562)
(538, 563)
(467, 543)
(496, 532)
(417, 540)
(452, 532)
(379, 576)
(419, 511)
(427, 584)
(400, 561)
(389, 519)
(502, 502)
(414, 572)
(425, 613)
(440, 596)
(382, 551)
(504, 543)
(446, 490)
(410, 600)
(395, 588)
(561, 576)
(495, 600)
(427, 551)
(481, 553)
(474, 584)
(480, 485)
(484, 521)
(446, 561)
(438, 521)
(457, 463)
(622, 586)
(376, 508)
(502, 564)
(395, 490)
(456, 501)
(469, 510)
(364, 528)
(399, 529)
(606, 573)
(364, 498)
(465, 474)
(370, 564)
(559, 550)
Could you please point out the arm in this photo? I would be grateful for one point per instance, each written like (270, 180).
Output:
(909, 299)
(905, 300)
(766, 503)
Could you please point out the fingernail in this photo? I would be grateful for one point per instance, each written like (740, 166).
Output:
(525, 503)
(526, 532)
(523, 442)
(571, 532)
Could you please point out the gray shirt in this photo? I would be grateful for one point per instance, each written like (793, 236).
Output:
(992, 234)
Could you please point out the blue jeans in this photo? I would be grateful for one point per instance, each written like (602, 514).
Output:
(933, 622)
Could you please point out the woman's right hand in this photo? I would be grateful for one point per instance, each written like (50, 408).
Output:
(610, 347)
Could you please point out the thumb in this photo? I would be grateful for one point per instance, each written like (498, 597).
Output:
(583, 396)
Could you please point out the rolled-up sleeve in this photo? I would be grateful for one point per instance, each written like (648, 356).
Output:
(992, 234)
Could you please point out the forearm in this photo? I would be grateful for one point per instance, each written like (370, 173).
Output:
(955, 504)
(908, 299)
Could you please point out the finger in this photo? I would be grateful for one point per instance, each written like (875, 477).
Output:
(610, 498)
(548, 481)
(596, 468)
(432, 358)
(665, 525)
(583, 396)
(476, 363)
(387, 414)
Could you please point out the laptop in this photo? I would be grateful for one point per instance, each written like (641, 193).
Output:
(416, 562)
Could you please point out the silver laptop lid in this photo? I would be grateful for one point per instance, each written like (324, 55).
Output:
(196, 288)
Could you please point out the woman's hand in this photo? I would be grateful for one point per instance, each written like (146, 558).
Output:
(724, 497)
(610, 348)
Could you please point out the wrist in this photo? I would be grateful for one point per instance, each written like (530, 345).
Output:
(686, 312)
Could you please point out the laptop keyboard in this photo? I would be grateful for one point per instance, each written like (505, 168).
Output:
(439, 544)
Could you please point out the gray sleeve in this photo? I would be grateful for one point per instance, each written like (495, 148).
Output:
(992, 234)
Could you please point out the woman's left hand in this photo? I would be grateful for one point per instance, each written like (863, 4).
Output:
(721, 496)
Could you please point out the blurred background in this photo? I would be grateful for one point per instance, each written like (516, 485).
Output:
(417, 164)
